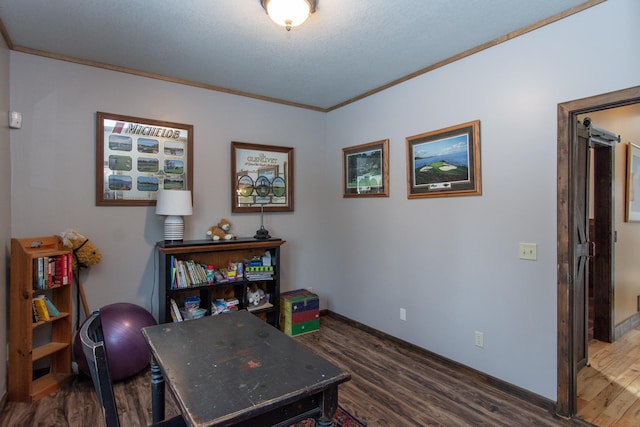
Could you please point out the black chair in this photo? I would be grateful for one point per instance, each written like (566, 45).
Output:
(96, 354)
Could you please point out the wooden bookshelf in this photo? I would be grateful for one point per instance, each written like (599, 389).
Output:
(39, 351)
(220, 253)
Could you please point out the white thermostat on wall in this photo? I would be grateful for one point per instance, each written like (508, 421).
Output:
(15, 120)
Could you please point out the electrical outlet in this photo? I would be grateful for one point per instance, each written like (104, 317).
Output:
(403, 314)
(528, 251)
(479, 339)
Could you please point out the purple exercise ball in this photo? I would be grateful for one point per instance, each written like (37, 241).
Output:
(127, 350)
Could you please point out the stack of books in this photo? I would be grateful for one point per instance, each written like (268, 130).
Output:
(224, 305)
(187, 273)
(43, 309)
(52, 271)
(261, 272)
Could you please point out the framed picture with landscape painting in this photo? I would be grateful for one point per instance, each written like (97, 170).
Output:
(445, 162)
(633, 183)
(365, 170)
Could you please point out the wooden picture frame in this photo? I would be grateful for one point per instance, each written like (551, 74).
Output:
(365, 170)
(633, 183)
(269, 169)
(136, 157)
(445, 162)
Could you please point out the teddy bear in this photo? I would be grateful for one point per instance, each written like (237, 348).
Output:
(221, 231)
(215, 233)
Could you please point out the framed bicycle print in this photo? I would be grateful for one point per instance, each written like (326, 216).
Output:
(261, 178)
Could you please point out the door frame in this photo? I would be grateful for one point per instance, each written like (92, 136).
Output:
(567, 320)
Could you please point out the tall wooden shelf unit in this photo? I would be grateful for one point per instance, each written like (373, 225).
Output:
(219, 253)
(51, 347)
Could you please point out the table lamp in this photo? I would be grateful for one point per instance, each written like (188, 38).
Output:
(174, 204)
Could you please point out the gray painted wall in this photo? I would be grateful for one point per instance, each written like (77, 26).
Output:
(5, 208)
(452, 263)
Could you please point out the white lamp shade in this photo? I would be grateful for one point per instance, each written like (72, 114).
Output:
(174, 202)
(288, 13)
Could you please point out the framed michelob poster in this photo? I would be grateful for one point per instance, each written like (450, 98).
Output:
(136, 157)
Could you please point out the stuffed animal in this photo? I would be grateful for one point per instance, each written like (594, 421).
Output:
(255, 295)
(221, 231)
(85, 253)
(215, 233)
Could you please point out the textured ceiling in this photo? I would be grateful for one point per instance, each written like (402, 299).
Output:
(348, 48)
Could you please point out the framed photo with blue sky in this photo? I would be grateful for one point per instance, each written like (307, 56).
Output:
(445, 162)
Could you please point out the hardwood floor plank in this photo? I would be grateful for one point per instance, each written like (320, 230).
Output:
(620, 404)
(446, 396)
(609, 387)
(392, 385)
(631, 418)
(591, 384)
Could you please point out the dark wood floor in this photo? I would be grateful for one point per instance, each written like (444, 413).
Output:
(392, 385)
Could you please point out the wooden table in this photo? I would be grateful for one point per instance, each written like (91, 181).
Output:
(235, 369)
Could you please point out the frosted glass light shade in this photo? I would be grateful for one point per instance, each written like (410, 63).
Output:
(174, 204)
(289, 13)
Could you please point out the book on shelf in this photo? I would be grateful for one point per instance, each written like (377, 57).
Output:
(34, 317)
(186, 273)
(182, 282)
(218, 306)
(54, 270)
(222, 305)
(62, 269)
(70, 266)
(173, 273)
(255, 272)
(232, 302)
(51, 308)
(262, 306)
(256, 277)
(189, 275)
(40, 308)
(192, 313)
(201, 272)
(48, 271)
(175, 312)
(38, 273)
(193, 269)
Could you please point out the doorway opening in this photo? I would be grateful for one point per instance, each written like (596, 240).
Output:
(571, 321)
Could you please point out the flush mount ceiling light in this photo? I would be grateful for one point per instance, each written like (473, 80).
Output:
(289, 13)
